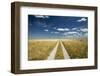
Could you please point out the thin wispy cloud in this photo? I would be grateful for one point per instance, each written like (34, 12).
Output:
(71, 33)
(74, 28)
(54, 32)
(66, 29)
(57, 26)
(41, 16)
(46, 30)
(62, 29)
(84, 29)
(65, 33)
(81, 20)
(40, 23)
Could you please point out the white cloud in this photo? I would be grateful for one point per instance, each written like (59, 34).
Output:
(84, 29)
(74, 28)
(71, 33)
(41, 16)
(81, 20)
(46, 30)
(56, 32)
(65, 33)
(62, 29)
(66, 29)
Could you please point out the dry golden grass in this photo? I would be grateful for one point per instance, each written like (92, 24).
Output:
(40, 50)
(59, 54)
(76, 48)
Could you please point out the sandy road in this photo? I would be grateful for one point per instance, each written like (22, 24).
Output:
(53, 52)
(65, 53)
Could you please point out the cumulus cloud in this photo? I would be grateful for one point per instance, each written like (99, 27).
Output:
(62, 29)
(41, 16)
(46, 30)
(84, 29)
(81, 20)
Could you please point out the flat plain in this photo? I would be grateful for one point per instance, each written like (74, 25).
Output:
(76, 48)
(41, 49)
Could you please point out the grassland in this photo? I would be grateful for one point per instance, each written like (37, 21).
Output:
(59, 54)
(39, 50)
(76, 48)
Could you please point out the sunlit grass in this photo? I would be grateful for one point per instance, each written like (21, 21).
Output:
(40, 50)
(76, 48)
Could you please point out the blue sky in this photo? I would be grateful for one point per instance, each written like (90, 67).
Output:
(57, 27)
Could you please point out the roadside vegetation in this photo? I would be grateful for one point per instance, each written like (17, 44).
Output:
(39, 50)
(76, 48)
(59, 54)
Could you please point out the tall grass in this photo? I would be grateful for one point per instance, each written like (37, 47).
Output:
(76, 48)
(40, 50)
(59, 54)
